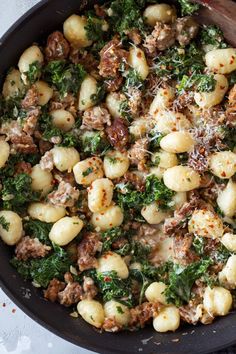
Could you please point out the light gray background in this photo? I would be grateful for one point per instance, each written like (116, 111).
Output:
(18, 333)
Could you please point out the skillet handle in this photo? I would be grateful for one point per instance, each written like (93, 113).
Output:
(220, 12)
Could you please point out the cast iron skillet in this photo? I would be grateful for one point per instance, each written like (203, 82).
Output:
(35, 25)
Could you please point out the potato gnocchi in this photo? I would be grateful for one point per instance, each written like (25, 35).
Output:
(118, 166)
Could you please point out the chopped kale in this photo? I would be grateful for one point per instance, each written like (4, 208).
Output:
(126, 15)
(198, 245)
(94, 28)
(110, 236)
(16, 192)
(181, 280)
(34, 72)
(212, 36)
(4, 223)
(155, 191)
(154, 139)
(176, 62)
(45, 269)
(66, 77)
(39, 229)
(202, 83)
(94, 143)
(232, 78)
(132, 79)
(188, 8)
(87, 172)
(113, 287)
(99, 95)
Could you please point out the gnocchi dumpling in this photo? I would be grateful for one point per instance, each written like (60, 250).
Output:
(92, 312)
(110, 217)
(164, 159)
(152, 214)
(155, 292)
(45, 92)
(227, 276)
(13, 84)
(210, 99)
(229, 241)
(168, 319)
(87, 93)
(115, 164)
(113, 103)
(227, 199)
(223, 164)
(159, 13)
(177, 142)
(65, 230)
(62, 119)
(12, 231)
(168, 121)
(115, 310)
(163, 99)
(217, 301)
(112, 261)
(4, 152)
(42, 180)
(30, 56)
(75, 32)
(65, 158)
(221, 61)
(88, 170)
(46, 212)
(206, 223)
(138, 62)
(100, 194)
(181, 178)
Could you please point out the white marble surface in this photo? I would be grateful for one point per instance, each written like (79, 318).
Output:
(18, 333)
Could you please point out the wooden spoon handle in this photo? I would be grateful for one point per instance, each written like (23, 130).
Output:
(220, 12)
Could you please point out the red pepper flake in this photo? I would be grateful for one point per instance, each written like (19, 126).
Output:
(13, 310)
(223, 174)
(107, 279)
(221, 65)
(4, 304)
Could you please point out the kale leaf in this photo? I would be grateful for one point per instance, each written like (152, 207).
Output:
(94, 143)
(66, 77)
(4, 223)
(45, 269)
(110, 236)
(212, 36)
(34, 72)
(113, 287)
(155, 191)
(17, 191)
(181, 280)
(126, 15)
(39, 229)
(203, 83)
(187, 8)
(132, 79)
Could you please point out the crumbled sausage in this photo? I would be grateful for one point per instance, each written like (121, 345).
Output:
(183, 101)
(186, 30)
(30, 121)
(112, 55)
(46, 162)
(96, 118)
(83, 57)
(89, 288)
(57, 47)
(111, 325)
(100, 11)
(113, 84)
(65, 195)
(191, 313)
(31, 248)
(138, 153)
(198, 158)
(161, 38)
(141, 314)
(44, 146)
(87, 249)
(137, 181)
(231, 109)
(67, 102)
(134, 36)
(31, 99)
(118, 133)
(24, 144)
(182, 249)
(23, 167)
(70, 295)
(54, 287)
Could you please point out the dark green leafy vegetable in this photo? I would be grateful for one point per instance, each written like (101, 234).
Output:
(202, 83)
(181, 280)
(126, 15)
(110, 236)
(4, 223)
(155, 191)
(113, 287)
(66, 77)
(34, 72)
(176, 62)
(100, 94)
(132, 79)
(94, 143)
(213, 36)
(198, 245)
(43, 270)
(93, 28)
(39, 229)
(87, 172)
(232, 78)
(16, 192)
(188, 8)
